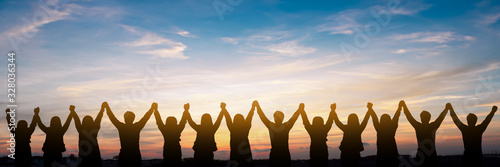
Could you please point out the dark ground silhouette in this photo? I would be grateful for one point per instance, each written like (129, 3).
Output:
(204, 144)
(54, 139)
(351, 144)
(129, 132)
(318, 132)
(387, 149)
(426, 135)
(88, 147)
(279, 133)
(241, 154)
(472, 136)
(171, 131)
(23, 134)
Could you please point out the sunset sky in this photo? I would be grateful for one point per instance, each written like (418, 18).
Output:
(281, 53)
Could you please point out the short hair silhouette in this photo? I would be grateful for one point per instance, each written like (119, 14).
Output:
(171, 131)
(426, 136)
(279, 133)
(129, 132)
(472, 136)
(88, 147)
(351, 144)
(204, 144)
(387, 149)
(22, 136)
(318, 132)
(53, 147)
(241, 154)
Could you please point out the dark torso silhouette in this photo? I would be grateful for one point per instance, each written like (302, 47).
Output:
(23, 148)
(387, 150)
(472, 138)
(205, 139)
(172, 153)
(426, 135)
(318, 135)
(240, 145)
(351, 141)
(280, 154)
(89, 153)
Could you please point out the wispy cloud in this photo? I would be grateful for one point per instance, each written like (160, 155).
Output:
(155, 45)
(185, 33)
(290, 48)
(233, 41)
(434, 37)
(343, 22)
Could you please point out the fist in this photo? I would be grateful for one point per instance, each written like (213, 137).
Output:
(401, 103)
(154, 106)
(186, 106)
(7, 110)
(37, 110)
(255, 103)
(71, 108)
(494, 108)
(223, 105)
(104, 104)
(333, 106)
(448, 105)
(301, 106)
(369, 105)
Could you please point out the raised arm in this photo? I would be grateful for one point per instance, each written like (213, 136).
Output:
(221, 115)
(367, 117)
(454, 116)
(336, 117)
(39, 121)
(146, 116)
(487, 121)
(329, 122)
(440, 118)
(182, 123)
(224, 111)
(376, 123)
(98, 118)
(78, 124)
(32, 126)
(112, 117)
(262, 116)
(190, 120)
(68, 121)
(295, 116)
(159, 122)
(410, 118)
(250, 114)
(305, 120)
(395, 118)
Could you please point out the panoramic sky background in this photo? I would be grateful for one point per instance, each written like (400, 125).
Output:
(280, 53)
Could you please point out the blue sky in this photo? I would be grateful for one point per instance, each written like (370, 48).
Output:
(281, 53)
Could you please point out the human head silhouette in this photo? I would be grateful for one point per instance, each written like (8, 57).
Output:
(278, 117)
(55, 122)
(318, 121)
(471, 119)
(385, 119)
(171, 121)
(239, 119)
(22, 124)
(129, 117)
(206, 120)
(87, 121)
(425, 117)
(352, 119)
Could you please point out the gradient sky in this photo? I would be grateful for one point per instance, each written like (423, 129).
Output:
(280, 53)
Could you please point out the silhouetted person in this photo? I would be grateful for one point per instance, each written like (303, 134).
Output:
(472, 136)
(204, 144)
(23, 134)
(279, 131)
(318, 132)
(129, 132)
(387, 150)
(241, 154)
(351, 144)
(426, 136)
(171, 131)
(54, 140)
(88, 147)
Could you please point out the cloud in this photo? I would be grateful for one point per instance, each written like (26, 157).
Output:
(408, 8)
(343, 22)
(290, 48)
(433, 37)
(233, 41)
(155, 45)
(185, 33)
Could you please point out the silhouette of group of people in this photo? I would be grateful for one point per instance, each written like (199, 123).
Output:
(239, 127)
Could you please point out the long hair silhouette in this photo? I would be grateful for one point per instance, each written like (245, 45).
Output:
(204, 144)
(241, 154)
(171, 131)
(53, 147)
(279, 132)
(351, 144)
(22, 136)
(472, 136)
(129, 132)
(387, 149)
(426, 136)
(88, 147)
(318, 132)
